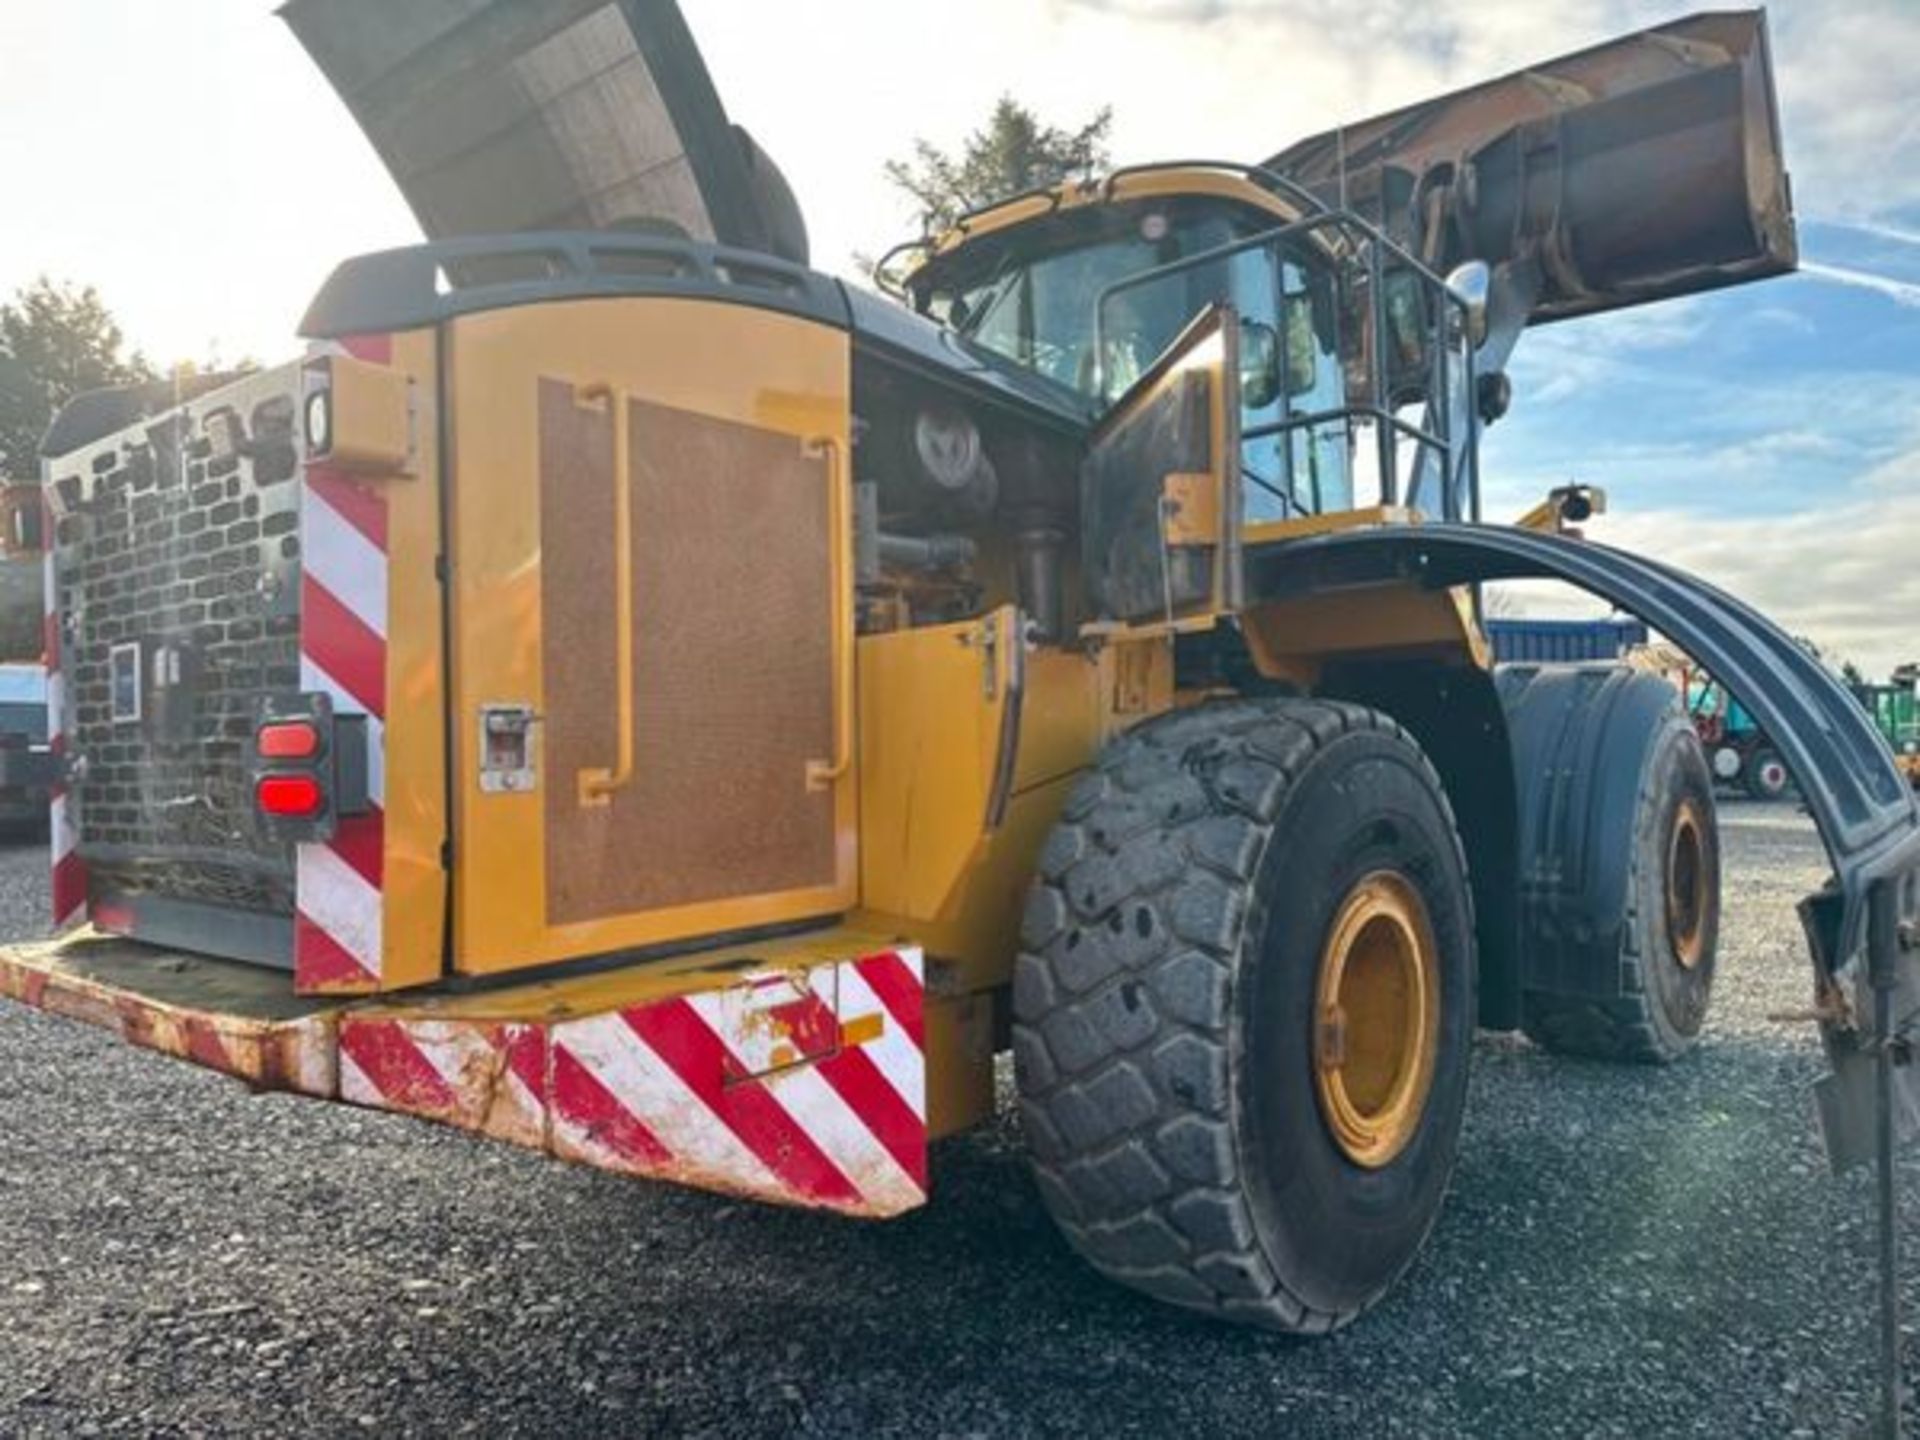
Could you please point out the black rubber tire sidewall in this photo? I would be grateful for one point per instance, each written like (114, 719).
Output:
(1340, 1232)
(1677, 996)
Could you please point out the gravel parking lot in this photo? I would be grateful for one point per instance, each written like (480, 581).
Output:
(1625, 1252)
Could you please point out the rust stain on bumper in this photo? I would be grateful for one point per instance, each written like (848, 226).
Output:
(295, 1055)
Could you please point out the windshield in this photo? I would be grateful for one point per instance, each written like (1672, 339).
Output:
(1054, 299)
(1034, 303)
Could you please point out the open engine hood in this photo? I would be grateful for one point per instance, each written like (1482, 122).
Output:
(1640, 169)
(507, 115)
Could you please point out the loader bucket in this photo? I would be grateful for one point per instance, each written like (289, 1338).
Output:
(508, 115)
(1642, 169)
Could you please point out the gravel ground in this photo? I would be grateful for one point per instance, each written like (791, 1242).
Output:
(1625, 1252)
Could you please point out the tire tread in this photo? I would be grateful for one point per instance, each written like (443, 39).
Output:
(1165, 836)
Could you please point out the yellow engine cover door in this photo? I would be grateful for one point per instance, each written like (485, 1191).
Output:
(652, 626)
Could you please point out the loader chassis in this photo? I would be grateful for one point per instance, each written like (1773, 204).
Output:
(637, 697)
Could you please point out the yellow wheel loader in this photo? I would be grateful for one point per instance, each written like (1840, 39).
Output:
(629, 694)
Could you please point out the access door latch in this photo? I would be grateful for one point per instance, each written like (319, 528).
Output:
(506, 749)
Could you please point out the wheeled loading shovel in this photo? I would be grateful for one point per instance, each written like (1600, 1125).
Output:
(629, 694)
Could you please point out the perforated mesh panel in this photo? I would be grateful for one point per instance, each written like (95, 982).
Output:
(732, 661)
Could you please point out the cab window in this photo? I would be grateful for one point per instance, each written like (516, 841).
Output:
(1050, 304)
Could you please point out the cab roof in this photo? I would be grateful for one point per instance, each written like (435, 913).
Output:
(1220, 179)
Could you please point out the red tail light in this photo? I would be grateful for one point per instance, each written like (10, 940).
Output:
(290, 796)
(288, 740)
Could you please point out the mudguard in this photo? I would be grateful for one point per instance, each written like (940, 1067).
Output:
(1581, 736)
(1866, 812)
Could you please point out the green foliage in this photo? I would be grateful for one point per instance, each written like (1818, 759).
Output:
(1012, 152)
(56, 340)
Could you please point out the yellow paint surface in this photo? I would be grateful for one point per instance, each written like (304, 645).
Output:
(751, 366)
(413, 914)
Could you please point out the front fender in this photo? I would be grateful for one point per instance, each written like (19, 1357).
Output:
(1865, 810)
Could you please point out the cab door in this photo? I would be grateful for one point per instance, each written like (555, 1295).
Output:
(1160, 500)
(652, 626)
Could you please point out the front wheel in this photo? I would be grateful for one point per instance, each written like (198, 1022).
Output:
(1244, 1009)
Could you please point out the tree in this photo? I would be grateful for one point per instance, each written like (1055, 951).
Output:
(1834, 662)
(1012, 152)
(56, 340)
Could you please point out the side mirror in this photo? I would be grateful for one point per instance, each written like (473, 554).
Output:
(1472, 285)
(1259, 365)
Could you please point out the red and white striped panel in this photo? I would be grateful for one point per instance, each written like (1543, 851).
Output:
(805, 1089)
(69, 870)
(670, 1090)
(339, 917)
(489, 1077)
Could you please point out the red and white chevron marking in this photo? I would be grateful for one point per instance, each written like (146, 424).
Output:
(69, 870)
(338, 915)
(489, 1077)
(805, 1089)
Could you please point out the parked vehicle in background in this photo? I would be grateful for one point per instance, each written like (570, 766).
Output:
(23, 738)
(1895, 707)
(1564, 641)
(1740, 751)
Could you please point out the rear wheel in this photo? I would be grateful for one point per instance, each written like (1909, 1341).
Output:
(1662, 971)
(1767, 777)
(1244, 1008)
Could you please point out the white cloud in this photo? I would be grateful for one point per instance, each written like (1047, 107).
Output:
(210, 179)
(1899, 235)
(1903, 292)
(1846, 102)
(1783, 318)
(1670, 325)
(1847, 575)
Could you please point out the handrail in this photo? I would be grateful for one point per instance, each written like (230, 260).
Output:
(597, 786)
(1378, 249)
(822, 774)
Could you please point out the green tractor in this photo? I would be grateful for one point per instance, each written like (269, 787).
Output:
(1895, 707)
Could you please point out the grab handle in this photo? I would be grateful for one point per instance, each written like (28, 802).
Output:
(822, 774)
(597, 786)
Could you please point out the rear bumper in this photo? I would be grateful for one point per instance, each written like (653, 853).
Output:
(793, 1073)
(240, 1021)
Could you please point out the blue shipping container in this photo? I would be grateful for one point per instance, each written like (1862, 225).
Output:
(1563, 641)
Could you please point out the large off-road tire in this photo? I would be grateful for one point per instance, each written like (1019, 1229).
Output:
(1244, 1007)
(1620, 910)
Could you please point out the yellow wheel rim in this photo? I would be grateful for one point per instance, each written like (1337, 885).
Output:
(1687, 897)
(1377, 1019)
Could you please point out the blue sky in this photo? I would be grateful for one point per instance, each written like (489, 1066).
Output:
(1767, 436)
(187, 160)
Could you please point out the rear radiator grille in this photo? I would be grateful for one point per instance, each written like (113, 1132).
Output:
(186, 564)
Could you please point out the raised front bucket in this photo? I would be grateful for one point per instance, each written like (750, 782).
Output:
(1641, 169)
